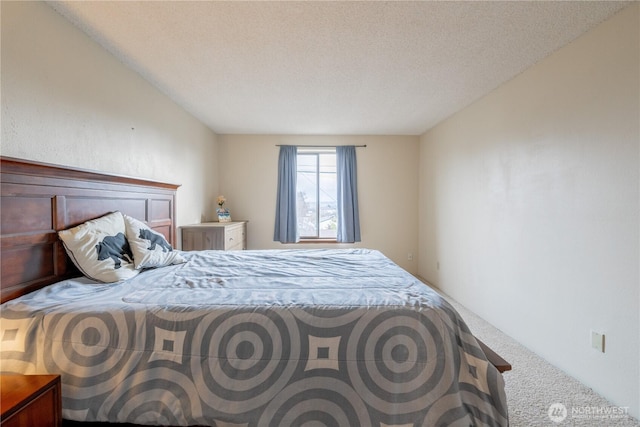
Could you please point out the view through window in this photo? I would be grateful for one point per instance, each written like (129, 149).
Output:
(316, 190)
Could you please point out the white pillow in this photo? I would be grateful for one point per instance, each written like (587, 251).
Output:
(99, 248)
(150, 248)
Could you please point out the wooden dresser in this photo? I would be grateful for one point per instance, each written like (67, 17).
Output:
(226, 236)
(30, 400)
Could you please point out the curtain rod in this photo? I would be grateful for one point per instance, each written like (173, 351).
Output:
(320, 146)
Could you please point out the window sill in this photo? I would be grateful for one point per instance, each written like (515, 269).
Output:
(317, 241)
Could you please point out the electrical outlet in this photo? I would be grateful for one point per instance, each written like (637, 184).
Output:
(597, 341)
(410, 256)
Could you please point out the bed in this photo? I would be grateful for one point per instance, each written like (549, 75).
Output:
(248, 338)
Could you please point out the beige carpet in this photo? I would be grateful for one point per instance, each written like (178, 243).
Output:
(534, 384)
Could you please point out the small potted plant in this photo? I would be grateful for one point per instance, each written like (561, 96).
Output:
(223, 213)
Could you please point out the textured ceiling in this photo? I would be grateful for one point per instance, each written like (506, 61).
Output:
(326, 68)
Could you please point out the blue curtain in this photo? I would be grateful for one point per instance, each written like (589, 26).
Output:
(348, 217)
(286, 230)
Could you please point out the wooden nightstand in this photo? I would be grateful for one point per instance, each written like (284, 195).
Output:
(30, 400)
(226, 236)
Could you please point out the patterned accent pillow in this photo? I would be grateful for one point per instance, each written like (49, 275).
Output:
(150, 249)
(99, 248)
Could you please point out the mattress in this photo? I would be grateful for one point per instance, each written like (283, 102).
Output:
(257, 338)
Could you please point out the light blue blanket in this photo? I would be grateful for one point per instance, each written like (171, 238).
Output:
(257, 338)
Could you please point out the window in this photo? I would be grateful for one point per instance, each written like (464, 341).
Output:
(316, 193)
(317, 198)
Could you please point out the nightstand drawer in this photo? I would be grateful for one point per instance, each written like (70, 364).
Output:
(31, 400)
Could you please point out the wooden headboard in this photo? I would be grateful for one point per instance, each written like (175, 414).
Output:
(39, 199)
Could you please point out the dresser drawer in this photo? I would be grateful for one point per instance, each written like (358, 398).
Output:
(234, 238)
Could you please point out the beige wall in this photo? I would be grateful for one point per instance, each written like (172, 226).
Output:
(65, 100)
(387, 189)
(529, 203)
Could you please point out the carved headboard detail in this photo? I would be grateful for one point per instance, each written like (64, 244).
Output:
(39, 199)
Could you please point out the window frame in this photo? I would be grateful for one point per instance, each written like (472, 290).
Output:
(317, 152)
